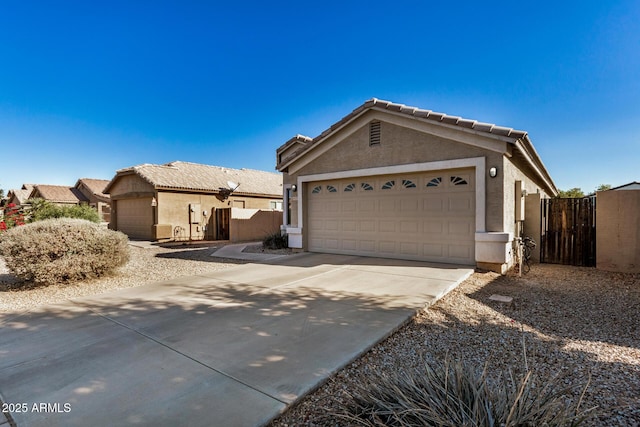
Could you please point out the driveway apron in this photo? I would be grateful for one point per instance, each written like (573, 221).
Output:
(230, 348)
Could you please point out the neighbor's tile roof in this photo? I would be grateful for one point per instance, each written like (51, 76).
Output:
(58, 193)
(20, 196)
(194, 176)
(96, 186)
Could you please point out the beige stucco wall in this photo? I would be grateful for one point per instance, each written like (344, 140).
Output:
(130, 186)
(253, 224)
(173, 209)
(618, 231)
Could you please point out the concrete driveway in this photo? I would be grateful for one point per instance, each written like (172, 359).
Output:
(230, 348)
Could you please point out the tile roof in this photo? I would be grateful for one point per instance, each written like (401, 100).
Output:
(58, 193)
(193, 176)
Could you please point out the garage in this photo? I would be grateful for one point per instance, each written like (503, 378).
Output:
(135, 217)
(428, 216)
(396, 181)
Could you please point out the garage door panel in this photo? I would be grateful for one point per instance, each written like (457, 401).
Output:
(409, 205)
(409, 227)
(432, 250)
(433, 227)
(460, 203)
(350, 225)
(388, 247)
(366, 206)
(433, 204)
(387, 205)
(409, 248)
(368, 246)
(460, 252)
(427, 216)
(387, 226)
(349, 206)
(350, 244)
(460, 228)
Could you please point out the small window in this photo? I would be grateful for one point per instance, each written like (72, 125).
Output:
(332, 189)
(456, 180)
(374, 133)
(350, 187)
(434, 182)
(316, 190)
(366, 187)
(408, 184)
(388, 185)
(275, 205)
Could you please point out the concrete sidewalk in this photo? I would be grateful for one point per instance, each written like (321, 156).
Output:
(235, 251)
(234, 347)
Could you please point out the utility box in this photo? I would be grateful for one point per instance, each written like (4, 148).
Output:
(195, 213)
(519, 196)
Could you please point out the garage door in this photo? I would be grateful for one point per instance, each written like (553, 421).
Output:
(424, 216)
(135, 217)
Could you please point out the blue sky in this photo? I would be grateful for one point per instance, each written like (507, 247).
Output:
(87, 88)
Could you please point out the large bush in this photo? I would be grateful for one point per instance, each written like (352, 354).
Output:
(62, 250)
(43, 209)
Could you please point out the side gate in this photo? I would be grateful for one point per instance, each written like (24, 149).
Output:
(568, 229)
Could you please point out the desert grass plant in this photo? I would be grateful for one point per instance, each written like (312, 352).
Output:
(63, 250)
(275, 241)
(454, 394)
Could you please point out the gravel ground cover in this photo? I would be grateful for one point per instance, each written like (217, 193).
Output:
(148, 264)
(579, 323)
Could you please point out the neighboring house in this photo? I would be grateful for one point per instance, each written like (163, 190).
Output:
(58, 194)
(93, 190)
(189, 201)
(635, 185)
(401, 182)
(20, 196)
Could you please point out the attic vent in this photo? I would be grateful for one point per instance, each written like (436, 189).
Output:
(374, 133)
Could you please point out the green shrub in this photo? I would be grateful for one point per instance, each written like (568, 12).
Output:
(275, 241)
(453, 394)
(63, 250)
(43, 209)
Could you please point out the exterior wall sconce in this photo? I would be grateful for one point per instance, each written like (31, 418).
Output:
(154, 202)
(493, 172)
(294, 188)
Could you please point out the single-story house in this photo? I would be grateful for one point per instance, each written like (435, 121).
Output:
(393, 181)
(190, 201)
(19, 196)
(93, 191)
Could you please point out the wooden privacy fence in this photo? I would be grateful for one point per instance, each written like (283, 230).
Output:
(568, 231)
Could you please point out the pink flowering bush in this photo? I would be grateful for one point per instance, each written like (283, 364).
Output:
(13, 217)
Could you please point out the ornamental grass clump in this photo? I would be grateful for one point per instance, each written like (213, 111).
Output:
(453, 394)
(62, 250)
